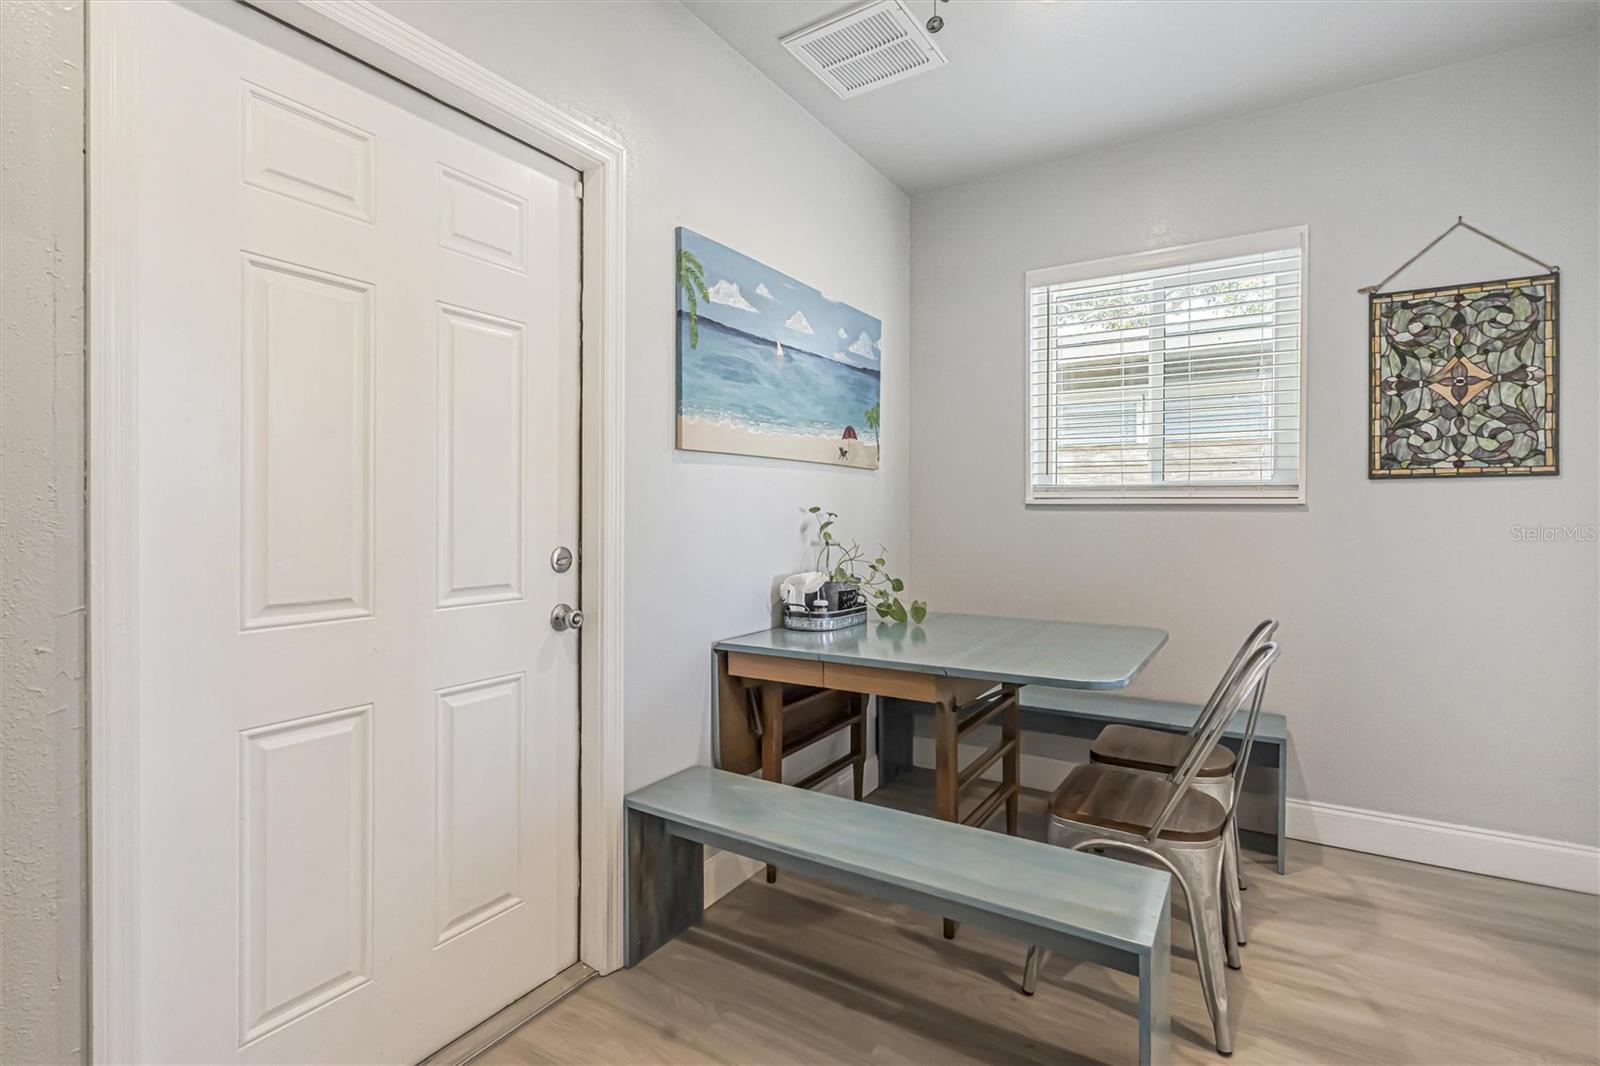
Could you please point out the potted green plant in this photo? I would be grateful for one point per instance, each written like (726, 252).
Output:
(846, 564)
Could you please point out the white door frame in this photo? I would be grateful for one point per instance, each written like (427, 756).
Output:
(382, 41)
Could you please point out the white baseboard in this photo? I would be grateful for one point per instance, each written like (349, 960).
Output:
(1537, 860)
(726, 871)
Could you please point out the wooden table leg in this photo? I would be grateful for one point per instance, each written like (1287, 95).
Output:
(1011, 766)
(772, 743)
(946, 789)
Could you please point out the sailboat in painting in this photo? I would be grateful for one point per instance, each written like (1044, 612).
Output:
(777, 350)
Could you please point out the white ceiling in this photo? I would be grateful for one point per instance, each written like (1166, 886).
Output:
(1032, 80)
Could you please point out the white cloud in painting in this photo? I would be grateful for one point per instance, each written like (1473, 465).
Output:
(842, 333)
(762, 290)
(863, 347)
(839, 357)
(727, 293)
(798, 323)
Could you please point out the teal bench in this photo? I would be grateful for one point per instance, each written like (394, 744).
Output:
(1052, 710)
(1080, 713)
(1085, 906)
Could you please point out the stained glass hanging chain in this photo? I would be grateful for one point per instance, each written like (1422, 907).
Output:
(1461, 223)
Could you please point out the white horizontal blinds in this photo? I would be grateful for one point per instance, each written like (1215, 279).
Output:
(1182, 376)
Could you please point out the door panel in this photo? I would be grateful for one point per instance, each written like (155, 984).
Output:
(305, 154)
(306, 807)
(480, 804)
(481, 433)
(480, 220)
(358, 432)
(307, 442)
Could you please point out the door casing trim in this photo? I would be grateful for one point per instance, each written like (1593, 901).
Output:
(394, 47)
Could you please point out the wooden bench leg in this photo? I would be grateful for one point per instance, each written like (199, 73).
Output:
(772, 744)
(1283, 807)
(1155, 1024)
(858, 746)
(666, 885)
(1011, 767)
(894, 739)
(946, 784)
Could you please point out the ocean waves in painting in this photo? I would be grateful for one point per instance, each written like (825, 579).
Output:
(741, 380)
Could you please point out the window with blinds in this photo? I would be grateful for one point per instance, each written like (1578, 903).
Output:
(1170, 375)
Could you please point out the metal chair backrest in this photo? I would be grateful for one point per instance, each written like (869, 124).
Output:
(1209, 714)
(1249, 740)
(1241, 687)
(1215, 718)
(1258, 636)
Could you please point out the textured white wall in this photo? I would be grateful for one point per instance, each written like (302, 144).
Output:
(42, 842)
(1433, 664)
(716, 147)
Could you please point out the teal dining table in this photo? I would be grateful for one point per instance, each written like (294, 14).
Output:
(968, 666)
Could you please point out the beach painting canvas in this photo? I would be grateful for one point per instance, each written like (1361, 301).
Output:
(768, 366)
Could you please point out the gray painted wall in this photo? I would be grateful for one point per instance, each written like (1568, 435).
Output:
(42, 804)
(1434, 664)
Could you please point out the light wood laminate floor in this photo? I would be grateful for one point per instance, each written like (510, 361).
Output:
(1352, 958)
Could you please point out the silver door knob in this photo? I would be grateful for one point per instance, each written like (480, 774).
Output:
(565, 617)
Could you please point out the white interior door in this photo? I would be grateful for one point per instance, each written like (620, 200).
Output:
(357, 360)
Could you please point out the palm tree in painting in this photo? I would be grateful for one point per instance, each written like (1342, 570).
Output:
(872, 418)
(691, 279)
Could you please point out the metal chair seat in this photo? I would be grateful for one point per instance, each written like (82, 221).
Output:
(1111, 797)
(1155, 750)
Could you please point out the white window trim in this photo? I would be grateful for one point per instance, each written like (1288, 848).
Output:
(1170, 495)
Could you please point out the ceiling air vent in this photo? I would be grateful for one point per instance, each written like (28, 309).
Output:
(866, 48)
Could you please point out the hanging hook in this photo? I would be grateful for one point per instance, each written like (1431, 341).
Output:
(1461, 223)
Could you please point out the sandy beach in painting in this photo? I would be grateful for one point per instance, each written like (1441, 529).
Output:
(698, 435)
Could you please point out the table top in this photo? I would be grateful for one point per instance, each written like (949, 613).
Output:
(1113, 903)
(1021, 651)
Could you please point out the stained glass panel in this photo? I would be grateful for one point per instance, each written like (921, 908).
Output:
(1464, 380)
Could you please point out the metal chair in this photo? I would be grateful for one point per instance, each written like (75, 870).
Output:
(1162, 819)
(1221, 776)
